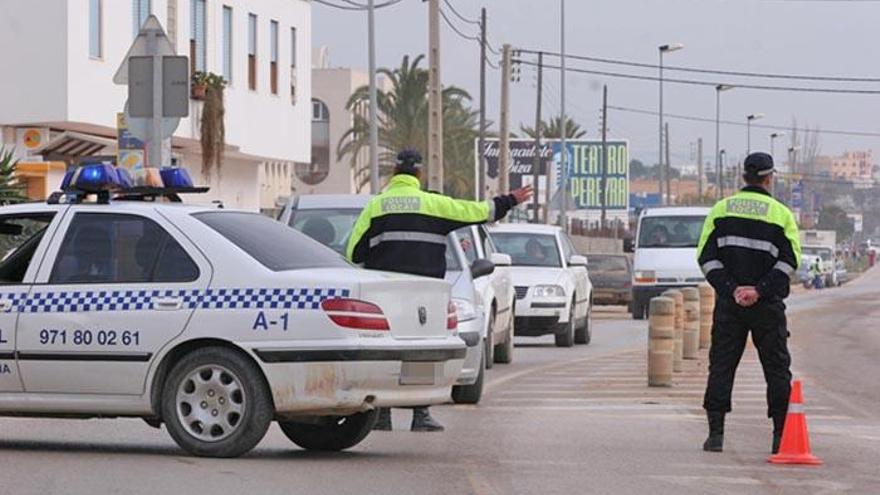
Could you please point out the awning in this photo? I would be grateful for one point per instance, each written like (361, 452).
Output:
(71, 145)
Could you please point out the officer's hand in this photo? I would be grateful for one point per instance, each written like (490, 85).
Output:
(746, 295)
(522, 194)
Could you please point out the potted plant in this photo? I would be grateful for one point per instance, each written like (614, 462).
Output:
(199, 87)
(213, 129)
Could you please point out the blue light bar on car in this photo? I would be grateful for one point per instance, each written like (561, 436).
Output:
(68, 178)
(125, 180)
(97, 177)
(175, 177)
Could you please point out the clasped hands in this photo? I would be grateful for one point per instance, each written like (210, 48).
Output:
(746, 295)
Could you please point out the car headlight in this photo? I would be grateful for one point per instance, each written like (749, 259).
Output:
(465, 309)
(645, 277)
(548, 291)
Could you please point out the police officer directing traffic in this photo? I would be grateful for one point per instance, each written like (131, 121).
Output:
(748, 250)
(404, 230)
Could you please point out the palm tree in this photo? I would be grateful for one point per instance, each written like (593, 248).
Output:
(552, 130)
(403, 122)
(11, 190)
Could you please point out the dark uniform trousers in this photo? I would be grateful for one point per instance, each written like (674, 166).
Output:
(731, 326)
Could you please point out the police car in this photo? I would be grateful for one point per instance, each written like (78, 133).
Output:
(214, 322)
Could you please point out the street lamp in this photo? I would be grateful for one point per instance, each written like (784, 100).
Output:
(749, 119)
(718, 89)
(663, 49)
(721, 155)
(772, 140)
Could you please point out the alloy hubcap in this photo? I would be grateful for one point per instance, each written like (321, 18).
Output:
(210, 403)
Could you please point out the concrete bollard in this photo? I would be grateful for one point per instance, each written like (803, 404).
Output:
(691, 335)
(707, 309)
(661, 342)
(676, 296)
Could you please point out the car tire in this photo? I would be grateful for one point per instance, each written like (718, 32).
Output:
(216, 382)
(584, 334)
(489, 342)
(639, 308)
(470, 394)
(504, 351)
(565, 338)
(331, 433)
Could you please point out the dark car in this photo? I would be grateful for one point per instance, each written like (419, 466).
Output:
(611, 275)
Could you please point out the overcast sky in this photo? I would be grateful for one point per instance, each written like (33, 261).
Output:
(833, 37)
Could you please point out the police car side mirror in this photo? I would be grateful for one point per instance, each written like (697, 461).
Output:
(577, 260)
(481, 268)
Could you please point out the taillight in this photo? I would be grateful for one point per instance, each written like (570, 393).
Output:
(451, 317)
(352, 313)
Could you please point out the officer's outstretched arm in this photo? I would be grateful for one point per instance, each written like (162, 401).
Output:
(707, 256)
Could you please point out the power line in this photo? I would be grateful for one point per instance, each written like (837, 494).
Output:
(458, 14)
(455, 28)
(710, 71)
(712, 84)
(354, 6)
(741, 124)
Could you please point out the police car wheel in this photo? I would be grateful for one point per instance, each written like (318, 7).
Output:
(504, 352)
(215, 403)
(489, 342)
(331, 433)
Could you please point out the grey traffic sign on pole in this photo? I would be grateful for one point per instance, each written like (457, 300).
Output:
(175, 86)
(158, 82)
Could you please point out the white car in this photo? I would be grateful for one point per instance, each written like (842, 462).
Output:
(496, 290)
(553, 289)
(329, 219)
(214, 322)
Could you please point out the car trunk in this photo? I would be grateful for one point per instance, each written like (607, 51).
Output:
(416, 308)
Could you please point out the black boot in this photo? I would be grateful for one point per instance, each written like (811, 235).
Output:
(422, 421)
(778, 423)
(715, 442)
(384, 421)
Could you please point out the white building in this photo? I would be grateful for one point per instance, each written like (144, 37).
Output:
(57, 96)
(328, 173)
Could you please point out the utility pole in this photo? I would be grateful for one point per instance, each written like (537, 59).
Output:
(604, 162)
(481, 144)
(504, 122)
(563, 121)
(374, 109)
(435, 100)
(700, 171)
(536, 160)
(666, 169)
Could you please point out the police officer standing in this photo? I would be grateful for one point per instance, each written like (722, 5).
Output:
(404, 230)
(748, 250)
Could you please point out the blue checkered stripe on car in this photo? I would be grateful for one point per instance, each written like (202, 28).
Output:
(138, 300)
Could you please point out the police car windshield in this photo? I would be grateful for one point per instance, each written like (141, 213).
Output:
(329, 226)
(528, 249)
(670, 232)
(275, 245)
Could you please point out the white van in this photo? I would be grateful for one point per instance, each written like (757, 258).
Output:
(665, 253)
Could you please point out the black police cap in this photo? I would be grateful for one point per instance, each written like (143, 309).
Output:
(408, 160)
(758, 165)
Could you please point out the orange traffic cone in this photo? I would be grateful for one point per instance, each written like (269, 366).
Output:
(795, 446)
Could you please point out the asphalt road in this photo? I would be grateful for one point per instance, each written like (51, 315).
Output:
(577, 420)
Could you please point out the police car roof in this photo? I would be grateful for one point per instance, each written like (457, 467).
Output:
(682, 211)
(317, 201)
(529, 228)
(185, 208)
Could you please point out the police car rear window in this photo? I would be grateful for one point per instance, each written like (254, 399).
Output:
(275, 245)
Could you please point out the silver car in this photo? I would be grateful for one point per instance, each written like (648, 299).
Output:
(329, 219)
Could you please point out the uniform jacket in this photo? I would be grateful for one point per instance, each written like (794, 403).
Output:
(750, 238)
(404, 229)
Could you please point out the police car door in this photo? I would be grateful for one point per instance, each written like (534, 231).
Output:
(24, 237)
(114, 289)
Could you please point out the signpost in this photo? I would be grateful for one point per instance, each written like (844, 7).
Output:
(158, 89)
(585, 173)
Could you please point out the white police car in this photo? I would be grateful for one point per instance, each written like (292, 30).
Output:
(214, 322)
